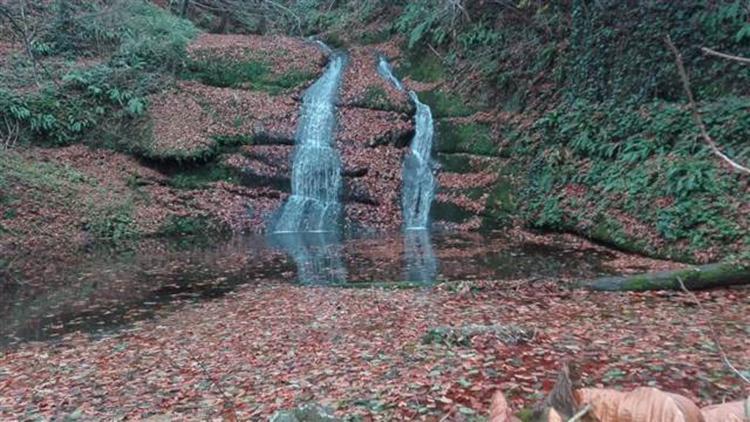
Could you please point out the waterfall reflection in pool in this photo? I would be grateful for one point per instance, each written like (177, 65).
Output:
(102, 289)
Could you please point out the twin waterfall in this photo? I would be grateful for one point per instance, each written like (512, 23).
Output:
(316, 172)
(315, 204)
(307, 226)
(418, 189)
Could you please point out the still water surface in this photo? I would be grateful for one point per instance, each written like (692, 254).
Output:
(101, 290)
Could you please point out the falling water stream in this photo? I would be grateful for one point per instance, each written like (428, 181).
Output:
(314, 205)
(418, 180)
(418, 189)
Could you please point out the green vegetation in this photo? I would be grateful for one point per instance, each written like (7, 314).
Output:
(133, 48)
(444, 104)
(376, 98)
(189, 226)
(253, 75)
(423, 68)
(472, 138)
(201, 177)
(447, 211)
(114, 223)
(648, 163)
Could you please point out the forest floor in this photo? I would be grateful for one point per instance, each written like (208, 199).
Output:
(363, 352)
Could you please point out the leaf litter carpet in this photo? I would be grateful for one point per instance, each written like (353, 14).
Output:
(361, 352)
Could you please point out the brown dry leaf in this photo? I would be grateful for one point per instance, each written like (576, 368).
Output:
(725, 412)
(645, 404)
(499, 409)
(553, 416)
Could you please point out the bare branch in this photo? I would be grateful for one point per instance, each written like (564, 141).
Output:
(694, 109)
(714, 337)
(581, 413)
(710, 52)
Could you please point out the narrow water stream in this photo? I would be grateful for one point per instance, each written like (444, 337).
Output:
(418, 179)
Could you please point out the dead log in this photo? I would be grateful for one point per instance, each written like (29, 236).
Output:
(695, 278)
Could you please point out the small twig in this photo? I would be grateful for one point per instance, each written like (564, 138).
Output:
(712, 332)
(581, 413)
(711, 52)
(694, 108)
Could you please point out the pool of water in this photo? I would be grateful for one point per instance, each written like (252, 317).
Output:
(100, 290)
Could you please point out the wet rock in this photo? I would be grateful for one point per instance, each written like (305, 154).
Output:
(370, 128)
(357, 192)
(354, 172)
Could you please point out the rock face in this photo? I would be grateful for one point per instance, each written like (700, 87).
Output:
(238, 108)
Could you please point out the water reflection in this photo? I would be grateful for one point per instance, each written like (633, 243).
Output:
(316, 254)
(420, 262)
(95, 291)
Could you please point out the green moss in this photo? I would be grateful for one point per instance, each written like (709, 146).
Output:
(501, 204)
(638, 284)
(423, 67)
(472, 138)
(114, 223)
(446, 211)
(253, 75)
(376, 98)
(525, 415)
(376, 37)
(189, 226)
(201, 177)
(444, 104)
(455, 163)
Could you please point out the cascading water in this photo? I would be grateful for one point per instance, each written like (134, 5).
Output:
(419, 181)
(386, 72)
(314, 205)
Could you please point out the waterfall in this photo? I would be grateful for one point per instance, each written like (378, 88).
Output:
(314, 205)
(418, 180)
(421, 262)
(316, 255)
(386, 72)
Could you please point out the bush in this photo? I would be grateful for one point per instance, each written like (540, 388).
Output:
(646, 162)
(114, 223)
(147, 44)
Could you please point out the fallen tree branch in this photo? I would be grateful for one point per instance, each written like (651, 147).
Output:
(694, 108)
(714, 336)
(581, 413)
(696, 278)
(711, 52)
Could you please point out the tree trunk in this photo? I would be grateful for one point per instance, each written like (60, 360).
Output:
(695, 278)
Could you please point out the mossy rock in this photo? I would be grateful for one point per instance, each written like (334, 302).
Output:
(501, 204)
(202, 176)
(446, 211)
(470, 138)
(254, 75)
(422, 67)
(455, 163)
(444, 104)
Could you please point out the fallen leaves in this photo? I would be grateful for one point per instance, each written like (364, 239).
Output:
(273, 346)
